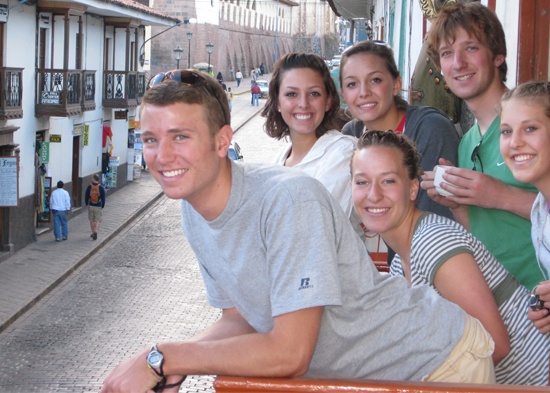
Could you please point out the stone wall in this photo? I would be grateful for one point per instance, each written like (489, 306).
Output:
(236, 47)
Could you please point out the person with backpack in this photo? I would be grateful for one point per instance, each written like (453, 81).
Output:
(95, 200)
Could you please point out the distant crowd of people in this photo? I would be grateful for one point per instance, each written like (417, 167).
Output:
(281, 248)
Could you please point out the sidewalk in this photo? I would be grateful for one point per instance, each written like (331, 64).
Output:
(37, 269)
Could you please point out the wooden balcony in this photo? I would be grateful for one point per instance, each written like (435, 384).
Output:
(123, 89)
(11, 96)
(88, 101)
(58, 92)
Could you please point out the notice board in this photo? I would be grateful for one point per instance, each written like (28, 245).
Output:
(44, 216)
(9, 181)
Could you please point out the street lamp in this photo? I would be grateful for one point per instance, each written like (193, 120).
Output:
(368, 30)
(189, 35)
(177, 52)
(209, 47)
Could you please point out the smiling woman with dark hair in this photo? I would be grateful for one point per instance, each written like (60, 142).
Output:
(303, 104)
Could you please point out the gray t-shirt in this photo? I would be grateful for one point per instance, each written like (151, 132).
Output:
(282, 244)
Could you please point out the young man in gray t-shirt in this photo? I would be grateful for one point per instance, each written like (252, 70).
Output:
(298, 290)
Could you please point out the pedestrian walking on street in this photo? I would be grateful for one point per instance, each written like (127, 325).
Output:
(239, 76)
(95, 200)
(219, 77)
(230, 98)
(256, 94)
(253, 76)
(262, 69)
(60, 203)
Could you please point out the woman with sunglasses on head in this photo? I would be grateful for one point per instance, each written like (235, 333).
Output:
(436, 251)
(303, 104)
(370, 84)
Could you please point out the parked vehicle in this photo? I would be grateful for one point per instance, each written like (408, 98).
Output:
(336, 61)
(329, 64)
(234, 152)
(264, 87)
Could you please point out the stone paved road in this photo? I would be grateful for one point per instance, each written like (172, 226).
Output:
(143, 287)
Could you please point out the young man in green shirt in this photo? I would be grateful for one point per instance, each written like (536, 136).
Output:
(467, 42)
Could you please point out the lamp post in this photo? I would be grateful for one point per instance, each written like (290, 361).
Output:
(209, 47)
(141, 52)
(189, 36)
(177, 52)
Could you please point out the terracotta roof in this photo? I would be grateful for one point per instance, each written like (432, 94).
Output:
(143, 8)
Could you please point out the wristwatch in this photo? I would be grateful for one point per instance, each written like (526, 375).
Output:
(155, 360)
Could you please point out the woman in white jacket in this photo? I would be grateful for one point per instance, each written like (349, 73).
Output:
(303, 104)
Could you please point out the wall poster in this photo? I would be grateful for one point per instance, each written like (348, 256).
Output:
(9, 181)
(46, 191)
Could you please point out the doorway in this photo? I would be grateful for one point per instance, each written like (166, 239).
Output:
(75, 201)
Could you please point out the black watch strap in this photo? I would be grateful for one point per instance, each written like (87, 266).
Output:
(159, 372)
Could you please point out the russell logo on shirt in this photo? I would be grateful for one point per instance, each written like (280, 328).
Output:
(304, 284)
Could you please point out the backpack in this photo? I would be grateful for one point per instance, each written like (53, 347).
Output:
(94, 193)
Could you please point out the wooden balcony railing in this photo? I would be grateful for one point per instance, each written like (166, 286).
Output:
(311, 385)
(141, 86)
(11, 93)
(123, 89)
(88, 101)
(58, 92)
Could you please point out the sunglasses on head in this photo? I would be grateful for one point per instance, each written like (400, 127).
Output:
(187, 78)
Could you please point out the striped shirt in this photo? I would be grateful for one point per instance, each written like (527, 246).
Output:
(435, 240)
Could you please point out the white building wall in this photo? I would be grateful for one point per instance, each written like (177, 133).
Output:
(208, 12)
(20, 32)
(73, 31)
(120, 49)
(120, 138)
(508, 14)
(93, 60)
(60, 165)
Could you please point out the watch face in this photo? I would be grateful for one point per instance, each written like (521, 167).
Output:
(535, 303)
(154, 359)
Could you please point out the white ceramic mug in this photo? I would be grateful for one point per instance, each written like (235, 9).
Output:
(438, 179)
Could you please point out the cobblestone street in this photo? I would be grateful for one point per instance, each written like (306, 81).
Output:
(143, 287)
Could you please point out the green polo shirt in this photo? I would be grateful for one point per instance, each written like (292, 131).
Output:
(506, 235)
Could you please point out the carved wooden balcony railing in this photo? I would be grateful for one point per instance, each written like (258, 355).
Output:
(11, 93)
(123, 89)
(141, 86)
(88, 101)
(58, 92)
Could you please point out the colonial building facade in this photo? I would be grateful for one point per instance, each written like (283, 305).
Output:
(244, 33)
(71, 84)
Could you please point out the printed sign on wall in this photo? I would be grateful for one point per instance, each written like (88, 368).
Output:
(86, 138)
(78, 129)
(50, 97)
(9, 181)
(45, 152)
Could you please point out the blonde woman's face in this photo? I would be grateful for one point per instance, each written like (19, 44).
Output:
(525, 141)
(381, 189)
